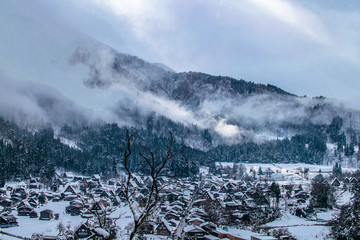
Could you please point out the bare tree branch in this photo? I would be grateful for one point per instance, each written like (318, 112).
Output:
(155, 167)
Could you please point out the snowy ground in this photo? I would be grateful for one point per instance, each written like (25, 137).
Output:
(301, 228)
(343, 197)
(28, 226)
(288, 172)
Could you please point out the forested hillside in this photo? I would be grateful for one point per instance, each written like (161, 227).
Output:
(99, 148)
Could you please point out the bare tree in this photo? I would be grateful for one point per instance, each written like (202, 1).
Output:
(156, 165)
(101, 215)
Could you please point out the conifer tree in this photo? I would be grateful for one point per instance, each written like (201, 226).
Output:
(346, 226)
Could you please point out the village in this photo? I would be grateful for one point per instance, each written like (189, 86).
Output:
(238, 201)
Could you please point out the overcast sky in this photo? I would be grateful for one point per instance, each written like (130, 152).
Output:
(305, 47)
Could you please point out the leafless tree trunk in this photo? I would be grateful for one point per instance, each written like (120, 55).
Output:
(101, 217)
(141, 216)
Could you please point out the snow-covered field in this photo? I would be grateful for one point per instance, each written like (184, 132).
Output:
(301, 228)
(289, 172)
(28, 226)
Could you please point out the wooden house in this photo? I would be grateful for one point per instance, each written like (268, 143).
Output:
(8, 220)
(163, 229)
(83, 231)
(69, 189)
(33, 214)
(146, 228)
(228, 198)
(172, 196)
(179, 203)
(115, 201)
(24, 210)
(46, 214)
(104, 194)
(208, 226)
(172, 215)
(34, 203)
(97, 207)
(223, 189)
(5, 203)
(213, 188)
(196, 221)
(177, 208)
(122, 195)
(353, 180)
(194, 231)
(73, 210)
(207, 195)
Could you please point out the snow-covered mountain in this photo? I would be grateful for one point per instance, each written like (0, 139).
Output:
(51, 73)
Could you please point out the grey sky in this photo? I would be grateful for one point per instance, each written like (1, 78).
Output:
(305, 47)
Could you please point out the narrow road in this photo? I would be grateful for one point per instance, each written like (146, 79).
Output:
(13, 235)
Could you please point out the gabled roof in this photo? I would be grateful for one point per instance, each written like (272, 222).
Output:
(335, 182)
(166, 224)
(46, 210)
(208, 224)
(353, 180)
(70, 188)
(194, 229)
(178, 203)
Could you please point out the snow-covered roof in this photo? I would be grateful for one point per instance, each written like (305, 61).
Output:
(193, 228)
(196, 219)
(102, 232)
(211, 237)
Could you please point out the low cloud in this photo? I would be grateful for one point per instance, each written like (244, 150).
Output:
(227, 130)
(33, 104)
(135, 87)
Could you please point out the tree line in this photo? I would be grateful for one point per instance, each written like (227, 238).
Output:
(98, 148)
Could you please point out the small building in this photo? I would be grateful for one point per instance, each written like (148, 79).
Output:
(46, 214)
(83, 231)
(196, 221)
(335, 182)
(194, 231)
(8, 221)
(172, 215)
(70, 189)
(146, 228)
(34, 203)
(33, 214)
(163, 229)
(73, 210)
(97, 207)
(5, 203)
(353, 180)
(208, 226)
(24, 210)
